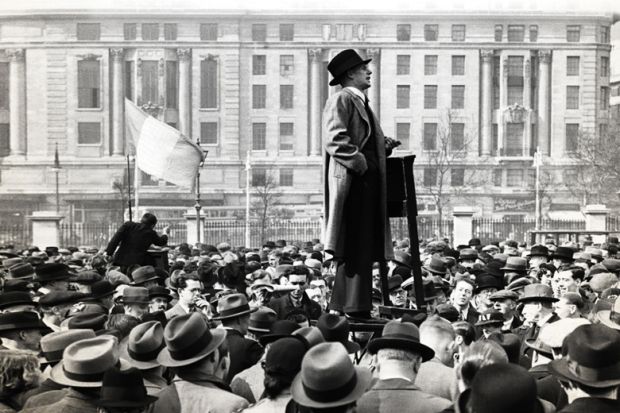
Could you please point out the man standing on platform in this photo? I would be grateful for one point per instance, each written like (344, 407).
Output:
(357, 231)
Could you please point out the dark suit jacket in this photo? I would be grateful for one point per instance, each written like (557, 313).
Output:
(548, 386)
(244, 353)
(72, 402)
(395, 395)
(592, 405)
(283, 305)
(530, 333)
(135, 240)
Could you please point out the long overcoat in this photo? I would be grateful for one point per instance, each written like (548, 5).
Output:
(346, 131)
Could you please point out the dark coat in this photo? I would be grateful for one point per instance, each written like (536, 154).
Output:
(530, 333)
(134, 239)
(548, 386)
(244, 353)
(47, 385)
(592, 405)
(393, 395)
(72, 402)
(283, 306)
(347, 128)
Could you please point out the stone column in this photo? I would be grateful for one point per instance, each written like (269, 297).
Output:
(118, 102)
(184, 56)
(544, 95)
(45, 228)
(463, 219)
(315, 56)
(375, 87)
(17, 101)
(596, 220)
(190, 220)
(486, 107)
(503, 99)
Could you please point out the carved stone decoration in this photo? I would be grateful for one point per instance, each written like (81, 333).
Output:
(544, 56)
(160, 67)
(373, 53)
(15, 55)
(117, 54)
(210, 57)
(89, 56)
(361, 32)
(487, 55)
(183, 54)
(139, 67)
(515, 113)
(327, 32)
(315, 55)
(152, 109)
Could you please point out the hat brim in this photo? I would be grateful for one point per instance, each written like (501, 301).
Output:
(165, 359)
(434, 271)
(166, 296)
(488, 323)
(351, 346)
(336, 81)
(364, 379)
(559, 368)
(270, 338)
(20, 302)
(126, 403)
(251, 310)
(604, 316)
(140, 365)
(123, 301)
(144, 281)
(523, 270)
(531, 343)
(57, 374)
(377, 344)
(542, 299)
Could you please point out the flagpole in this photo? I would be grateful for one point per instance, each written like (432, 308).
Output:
(537, 162)
(129, 187)
(248, 168)
(136, 185)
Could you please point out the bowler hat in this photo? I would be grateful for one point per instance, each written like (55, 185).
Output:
(16, 285)
(563, 253)
(135, 295)
(189, 339)
(336, 328)
(85, 362)
(123, 389)
(489, 318)
(144, 343)
(343, 61)
(592, 357)
(14, 298)
(279, 329)
(143, 275)
(436, 266)
(328, 378)
(539, 251)
(515, 264)
(21, 270)
(233, 305)
(21, 320)
(101, 289)
(52, 272)
(53, 344)
(401, 335)
(158, 291)
(538, 293)
(262, 320)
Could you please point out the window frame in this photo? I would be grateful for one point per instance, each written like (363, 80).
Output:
(403, 32)
(259, 96)
(402, 101)
(431, 32)
(456, 34)
(80, 31)
(203, 126)
(89, 144)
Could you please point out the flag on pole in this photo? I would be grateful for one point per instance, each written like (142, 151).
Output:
(537, 159)
(161, 150)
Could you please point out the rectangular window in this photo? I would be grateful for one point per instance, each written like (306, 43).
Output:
(573, 33)
(430, 65)
(89, 133)
(150, 31)
(286, 136)
(4, 85)
(259, 136)
(430, 96)
(516, 32)
(514, 177)
(495, 139)
(604, 66)
(259, 64)
(457, 176)
(458, 32)
(572, 65)
(458, 65)
(431, 32)
(457, 136)
(208, 83)
(604, 34)
(403, 64)
(604, 98)
(430, 137)
(208, 133)
(514, 139)
(499, 32)
(403, 93)
(572, 137)
(286, 96)
(344, 32)
(430, 176)
(458, 96)
(403, 132)
(287, 64)
(497, 177)
(150, 81)
(496, 73)
(572, 97)
(5, 146)
(89, 83)
(88, 31)
(403, 32)
(171, 84)
(208, 31)
(287, 32)
(130, 31)
(286, 177)
(259, 96)
(170, 31)
(129, 73)
(533, 33)
(259, 32)
(515, 80)
(259, 177)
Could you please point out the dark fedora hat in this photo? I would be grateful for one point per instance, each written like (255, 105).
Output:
(336, 328)
(53, 344)
(592, 357)
(14, 298)
(94, 321)
(436, 266)
(537, 292)
(21, 320)
(233, 305)
(539, 251)
(394, 283)
(343, 61)
(144, 343)
(515, 264)
(262, 320)
(284, 358)
(87, 277)
(494, 268)
(402, 258)
(159, 291)
(101, 289)
(189, 339)
(279, 329)
(22, 270)
(564, 253)
(401, 335)
(135, 295)
(469, 254)
(123, 389)
(485, 281)
(54, 298)
(328, 378)
(52, 272)
(489, 318)
(143, 275)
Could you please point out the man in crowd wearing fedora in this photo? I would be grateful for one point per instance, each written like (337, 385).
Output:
(55, 306)
(100, 297)
(200, 359)
(21, 330)
(234, 313)
(357, 231)
(399, 354)
(145, 276)
(562, 258)
(52, 277)
(159, 298)
(143, 345)
(136, 301)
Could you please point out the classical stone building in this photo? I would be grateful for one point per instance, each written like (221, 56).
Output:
(495, 85)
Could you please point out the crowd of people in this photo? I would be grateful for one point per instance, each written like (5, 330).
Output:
(504, 327)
